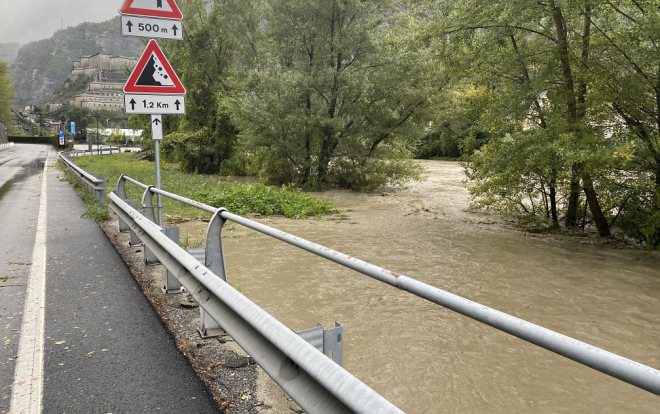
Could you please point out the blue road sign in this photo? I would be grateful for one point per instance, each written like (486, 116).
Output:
(73, 128)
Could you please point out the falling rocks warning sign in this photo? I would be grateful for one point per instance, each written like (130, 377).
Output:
(154, 75)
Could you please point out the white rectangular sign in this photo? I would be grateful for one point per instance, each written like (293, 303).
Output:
(154, 104)
(156, 127)
(151, 27)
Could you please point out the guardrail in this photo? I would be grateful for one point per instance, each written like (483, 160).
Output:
(315, 382)
(98, 151)
(629, 371)
(96, 185)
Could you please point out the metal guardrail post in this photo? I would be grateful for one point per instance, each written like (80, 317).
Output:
(100, 190)
(123, 226)
(171, 284)
(214, 259)
(148, 204)
(121, 192)
(208, 327)
(148, 211)
(135, 239)
(329, 341)
(121, 188)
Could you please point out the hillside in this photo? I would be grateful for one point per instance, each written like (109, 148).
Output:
(42, 66)
(8, 52)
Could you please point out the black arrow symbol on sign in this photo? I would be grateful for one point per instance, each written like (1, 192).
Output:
(132, 102)
(157, 121)
(177, 103)
(130, 26)
(175, 29)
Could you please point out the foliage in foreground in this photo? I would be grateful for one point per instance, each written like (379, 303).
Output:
(258, 198)
(214, 190)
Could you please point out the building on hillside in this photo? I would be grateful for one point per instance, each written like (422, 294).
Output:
(101, 96)
(54, 126)
(102, 63)
(53, 106)
(108, 73)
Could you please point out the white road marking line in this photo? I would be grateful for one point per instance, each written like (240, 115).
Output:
(27, 390)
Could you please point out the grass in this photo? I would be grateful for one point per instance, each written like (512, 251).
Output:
(95, 210)
(214, 190)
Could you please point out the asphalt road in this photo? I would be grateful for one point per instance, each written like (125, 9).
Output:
(105, 349)
(20, 167)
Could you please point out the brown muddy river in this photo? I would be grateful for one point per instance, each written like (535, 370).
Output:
(426, 359)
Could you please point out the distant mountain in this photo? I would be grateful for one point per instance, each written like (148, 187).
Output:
(42, 66)
(8, 52)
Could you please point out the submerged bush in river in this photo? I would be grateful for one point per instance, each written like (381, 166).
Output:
(238, 198)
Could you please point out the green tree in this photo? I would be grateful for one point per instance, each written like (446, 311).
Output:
(6, 96)
(567, 77)
(337, 95)
(205, 136)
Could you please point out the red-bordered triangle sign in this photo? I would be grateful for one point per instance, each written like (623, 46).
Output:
(166, 9)
(154, 75)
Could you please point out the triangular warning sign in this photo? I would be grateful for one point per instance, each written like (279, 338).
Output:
(154, 75)
(165, 9)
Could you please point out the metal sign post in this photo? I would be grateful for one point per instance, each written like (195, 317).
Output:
(157, 136)
(153, 88)
(73, 134)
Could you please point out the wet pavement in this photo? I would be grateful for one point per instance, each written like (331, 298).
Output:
(19, 204)
(105, 349)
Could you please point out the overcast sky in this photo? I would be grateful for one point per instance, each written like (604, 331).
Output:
(25, 21)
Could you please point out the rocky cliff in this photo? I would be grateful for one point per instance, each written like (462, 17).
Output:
(8, 52)
(42, 66)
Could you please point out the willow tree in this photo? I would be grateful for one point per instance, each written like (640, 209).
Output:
(337, 95)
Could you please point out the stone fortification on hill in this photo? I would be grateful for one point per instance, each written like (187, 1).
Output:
(108, 73)
(103, 63)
